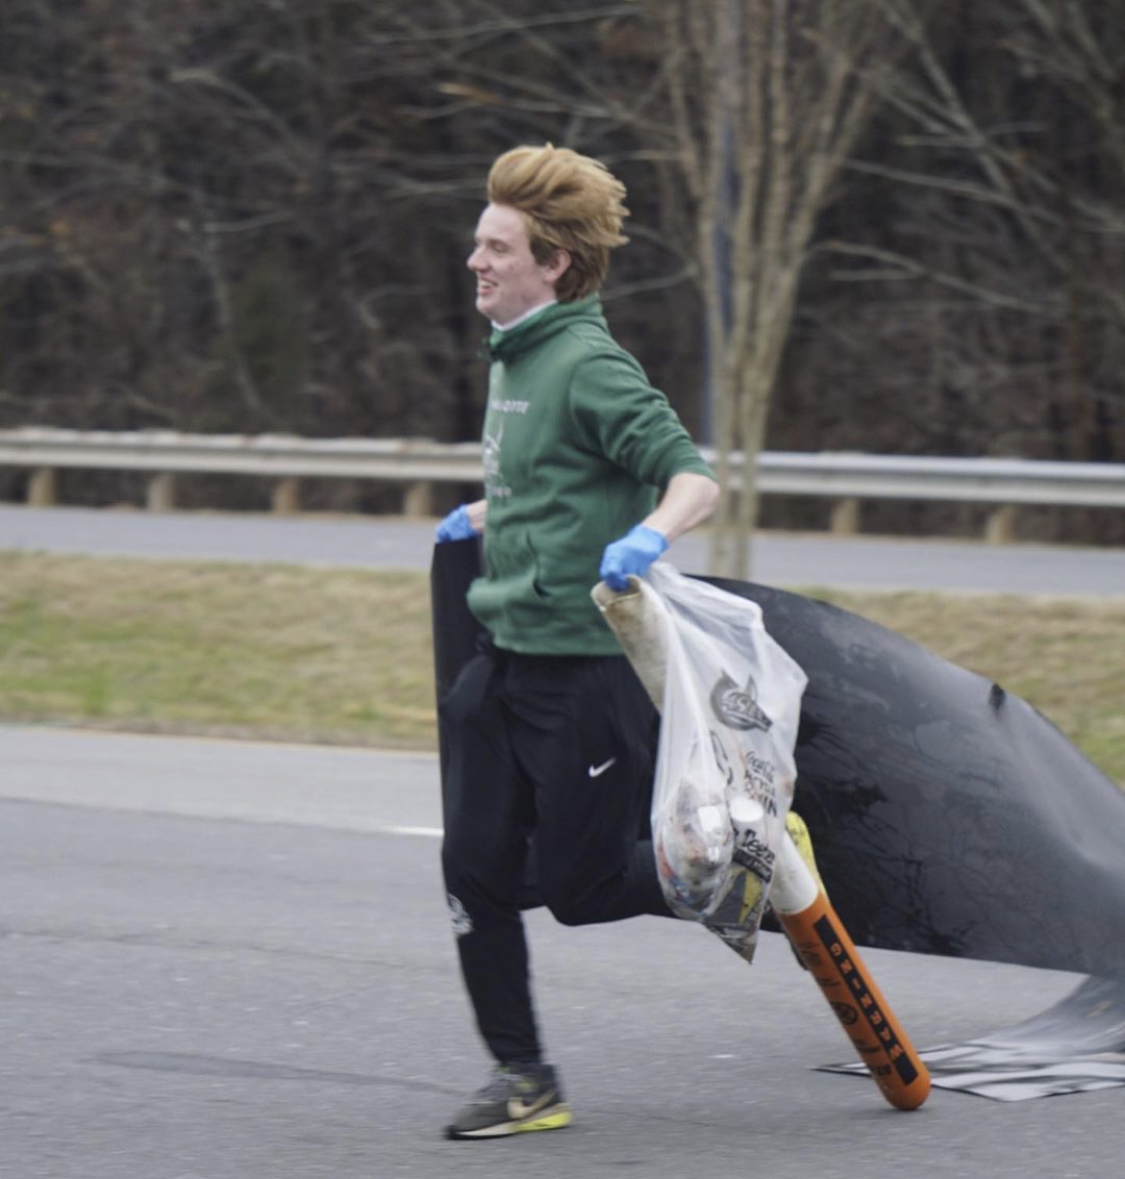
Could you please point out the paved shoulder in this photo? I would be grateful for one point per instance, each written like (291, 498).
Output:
(315, 786)
(393, 543)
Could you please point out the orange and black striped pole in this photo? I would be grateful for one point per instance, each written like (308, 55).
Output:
(832, 959)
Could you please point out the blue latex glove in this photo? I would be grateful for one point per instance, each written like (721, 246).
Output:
(456, 526)
(633, 553)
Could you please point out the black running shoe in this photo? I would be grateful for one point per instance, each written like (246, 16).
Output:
(519, 1097)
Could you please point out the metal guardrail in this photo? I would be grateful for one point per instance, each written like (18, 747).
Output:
(418, 464)
(976, 480)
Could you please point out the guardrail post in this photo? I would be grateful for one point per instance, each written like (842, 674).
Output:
(845, 517)
(286, 498)
(160, 495)
(418, 500)
(42, 488)
(1001, 526)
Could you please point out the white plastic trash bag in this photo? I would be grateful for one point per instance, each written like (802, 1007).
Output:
(730, 699)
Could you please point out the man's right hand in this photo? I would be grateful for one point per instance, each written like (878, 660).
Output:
(456, 526)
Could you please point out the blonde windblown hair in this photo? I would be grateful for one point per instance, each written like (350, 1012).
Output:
(570, 202)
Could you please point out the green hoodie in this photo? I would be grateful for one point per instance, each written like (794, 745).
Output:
(576, 446)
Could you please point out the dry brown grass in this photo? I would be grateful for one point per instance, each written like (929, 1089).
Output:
(257, 650)
(344, 655)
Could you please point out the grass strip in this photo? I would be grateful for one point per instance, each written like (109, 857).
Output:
(339, 656)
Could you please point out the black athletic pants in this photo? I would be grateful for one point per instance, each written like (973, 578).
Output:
(547, 757)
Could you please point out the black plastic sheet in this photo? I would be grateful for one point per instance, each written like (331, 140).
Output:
(948, 816)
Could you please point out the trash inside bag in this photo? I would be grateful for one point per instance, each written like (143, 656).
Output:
(730, 703)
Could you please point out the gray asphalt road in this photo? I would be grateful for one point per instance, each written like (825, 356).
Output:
(791, 560)
(231, 961)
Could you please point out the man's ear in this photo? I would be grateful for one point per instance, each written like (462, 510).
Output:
(557, 265)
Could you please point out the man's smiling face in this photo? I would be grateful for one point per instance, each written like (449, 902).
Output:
(510, 281)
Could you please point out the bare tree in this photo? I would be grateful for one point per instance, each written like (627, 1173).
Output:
(248, 215)
(767, 100)
(1010, 159)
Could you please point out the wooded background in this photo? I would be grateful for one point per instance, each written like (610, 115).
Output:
(891, 226)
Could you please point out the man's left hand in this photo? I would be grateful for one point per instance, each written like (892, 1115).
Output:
(632, 554)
